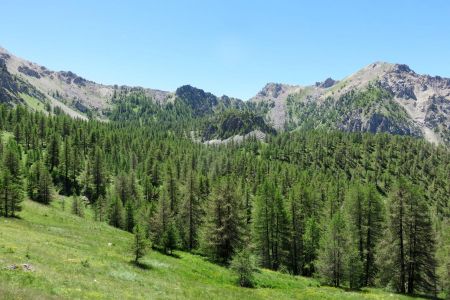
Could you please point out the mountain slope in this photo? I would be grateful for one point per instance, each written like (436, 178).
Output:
(423, 101)
(408, 103)
(73, 258)
(72, 93)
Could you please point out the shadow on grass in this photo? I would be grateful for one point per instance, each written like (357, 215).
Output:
(171, 254)
(141, 265)
(15, 217)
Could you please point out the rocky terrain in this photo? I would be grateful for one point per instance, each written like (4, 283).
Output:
(72, 93)
(424, 101)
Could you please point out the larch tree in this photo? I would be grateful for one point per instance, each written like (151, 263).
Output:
(408, 249)
(331, 262)
(270, 226)
(223, 229)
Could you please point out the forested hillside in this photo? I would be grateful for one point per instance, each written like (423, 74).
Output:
(352, 209)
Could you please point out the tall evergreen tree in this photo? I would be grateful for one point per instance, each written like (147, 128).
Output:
(364, 212)
(270, 226)
(97, 176)
(116, 213)
(408, 250)
(191, 213)
(222, 233)
(40, 184)
(11, 185)
(331, 262)
(140, 243)
(161, 219)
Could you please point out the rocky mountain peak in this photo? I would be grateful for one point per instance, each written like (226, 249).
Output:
(272, 90)
(329, 82)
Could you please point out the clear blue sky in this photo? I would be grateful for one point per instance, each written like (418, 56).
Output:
(227, 47)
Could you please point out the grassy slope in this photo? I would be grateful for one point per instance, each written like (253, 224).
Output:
(32, 102)
(57, 243)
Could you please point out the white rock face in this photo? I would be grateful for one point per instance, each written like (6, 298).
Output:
(238, 138)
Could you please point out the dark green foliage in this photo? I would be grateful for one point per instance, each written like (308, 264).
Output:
(161, 219)
(129, 219)
(201, 103)
(234, 122)
(40, 184)
(10, 195)
(101, 209)
(191, 214)
(116, 213)
(11, 185)
(97, 175)
(170, 239)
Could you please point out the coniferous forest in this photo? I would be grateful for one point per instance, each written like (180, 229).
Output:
(352, 209)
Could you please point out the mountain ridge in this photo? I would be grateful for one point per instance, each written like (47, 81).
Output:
(422, 101)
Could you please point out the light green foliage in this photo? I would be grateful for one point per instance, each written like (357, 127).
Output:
(59, 272)
(40, 185)
(277, 197)
(244, 265)
(140, 243)
(374, 102)
(333, 253)
(77, 206)
(170, 239)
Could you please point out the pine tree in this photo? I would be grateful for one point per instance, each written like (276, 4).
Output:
(161, 219)
(10, 195)
(53, 152)
(311, 243)
(97, 176)
(129, 220)
(270, 226)
(40, 184)
(140, 243)
(66, 165)
(364, 212)
(374, 230)
(116, 213)
(409, 246)
(222, 231)
(11, 186)
(191, 214)
(100, 209)
(172, 189)
(77, 206)
(170, 238)
(244, 265)
(296, 213)
(331, 262)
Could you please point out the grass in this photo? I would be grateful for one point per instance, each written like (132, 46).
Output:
(32, 102)
(77, 258)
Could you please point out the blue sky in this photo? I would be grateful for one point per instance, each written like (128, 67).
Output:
(226, 47)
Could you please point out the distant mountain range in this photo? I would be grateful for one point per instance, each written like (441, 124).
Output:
(381, 97)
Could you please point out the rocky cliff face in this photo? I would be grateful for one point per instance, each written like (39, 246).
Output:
(417, 104)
